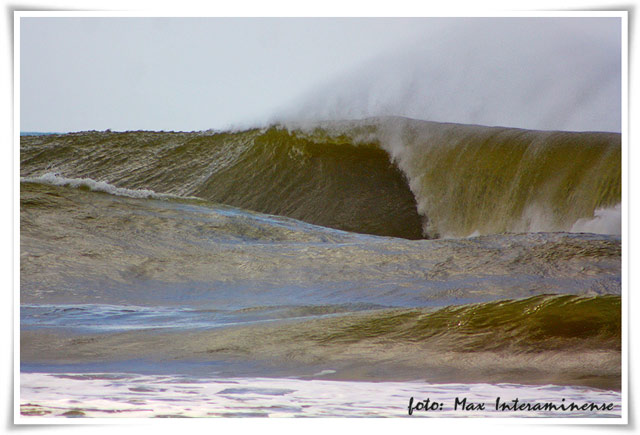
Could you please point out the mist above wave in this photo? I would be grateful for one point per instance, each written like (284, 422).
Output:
(534, 73)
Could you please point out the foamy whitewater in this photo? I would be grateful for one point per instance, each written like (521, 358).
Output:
(135, 396)
(320, 269)
(97, 186)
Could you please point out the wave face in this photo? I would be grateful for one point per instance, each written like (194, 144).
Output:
(386, 176)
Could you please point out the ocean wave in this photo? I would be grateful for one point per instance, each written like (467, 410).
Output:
(384, 176)
(564, 339)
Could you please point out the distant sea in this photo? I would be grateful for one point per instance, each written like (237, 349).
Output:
(36, 133)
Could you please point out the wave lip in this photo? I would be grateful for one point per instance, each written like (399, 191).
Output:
(485, 180)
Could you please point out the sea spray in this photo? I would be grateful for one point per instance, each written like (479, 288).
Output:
(560, 74)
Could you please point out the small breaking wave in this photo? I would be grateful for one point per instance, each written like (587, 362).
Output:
(96, 186)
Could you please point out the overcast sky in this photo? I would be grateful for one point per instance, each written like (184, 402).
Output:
(200, 73)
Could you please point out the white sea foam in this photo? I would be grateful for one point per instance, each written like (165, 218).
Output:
(50, 395)
(97, 186)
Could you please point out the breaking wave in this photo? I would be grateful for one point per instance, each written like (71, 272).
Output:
(385, 176)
